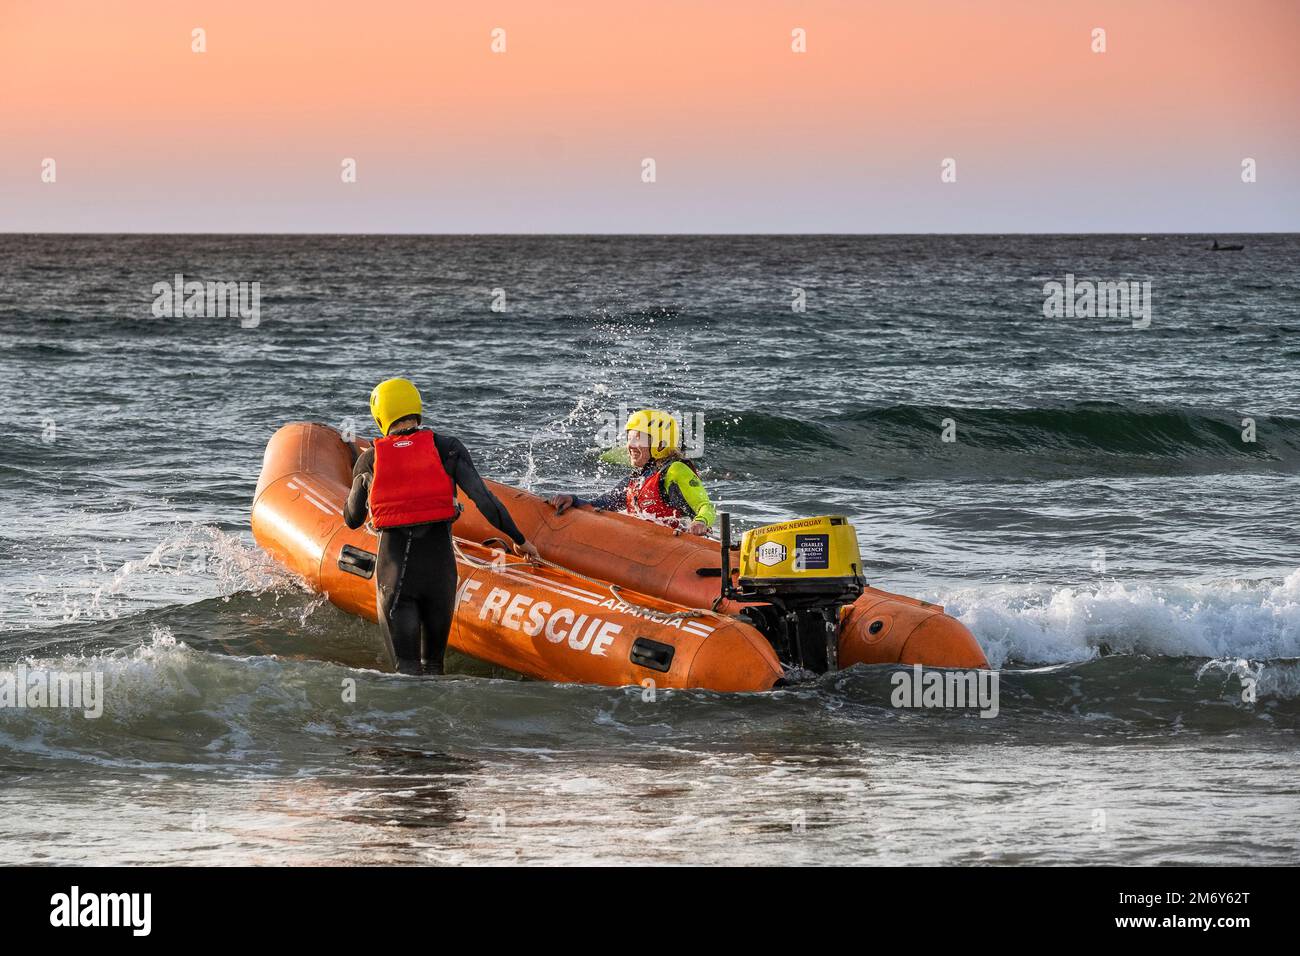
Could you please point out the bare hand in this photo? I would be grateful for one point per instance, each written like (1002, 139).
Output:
(561, 503)
(698, 527)
(529, 551)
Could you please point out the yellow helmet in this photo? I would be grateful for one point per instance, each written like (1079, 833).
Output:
(394, 399)
(660, 426)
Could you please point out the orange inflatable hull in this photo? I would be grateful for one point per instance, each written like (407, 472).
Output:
(536, 621)
(879, 628)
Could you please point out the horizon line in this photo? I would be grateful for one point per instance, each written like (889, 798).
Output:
(643, 235)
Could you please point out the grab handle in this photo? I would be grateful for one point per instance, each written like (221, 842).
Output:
(356, 561)
(726, 554)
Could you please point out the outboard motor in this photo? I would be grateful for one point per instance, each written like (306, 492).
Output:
(796, 576)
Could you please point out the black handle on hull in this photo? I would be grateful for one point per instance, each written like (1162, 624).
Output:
(726, 554)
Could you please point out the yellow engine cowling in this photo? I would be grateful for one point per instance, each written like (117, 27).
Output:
(814, 552)
(810, 570)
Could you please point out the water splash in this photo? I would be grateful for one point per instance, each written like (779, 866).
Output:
(1255, 619)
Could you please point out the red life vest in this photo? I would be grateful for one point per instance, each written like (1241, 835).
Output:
(410, 486)
(646, 499)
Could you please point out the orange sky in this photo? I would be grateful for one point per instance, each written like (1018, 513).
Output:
(747, 136)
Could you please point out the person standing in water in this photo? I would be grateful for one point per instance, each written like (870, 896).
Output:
(406, 482)
(664, 486)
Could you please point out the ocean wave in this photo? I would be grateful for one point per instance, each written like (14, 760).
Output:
(1085, 438)
(1258, 620)
(1128, 694)
(250, 676)
(166, 704)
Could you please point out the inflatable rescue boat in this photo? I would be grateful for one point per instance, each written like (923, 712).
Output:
(619, 600)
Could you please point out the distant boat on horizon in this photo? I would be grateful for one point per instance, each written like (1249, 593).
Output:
(1229, 248)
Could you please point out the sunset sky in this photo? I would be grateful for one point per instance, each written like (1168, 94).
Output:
(747, 135)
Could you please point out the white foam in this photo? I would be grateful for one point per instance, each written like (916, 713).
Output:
(1253, 619)
(190, 562)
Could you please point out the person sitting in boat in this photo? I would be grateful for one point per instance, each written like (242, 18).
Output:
(663, 487)
(406, 482)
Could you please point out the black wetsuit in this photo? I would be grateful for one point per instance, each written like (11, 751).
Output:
(415, 570)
